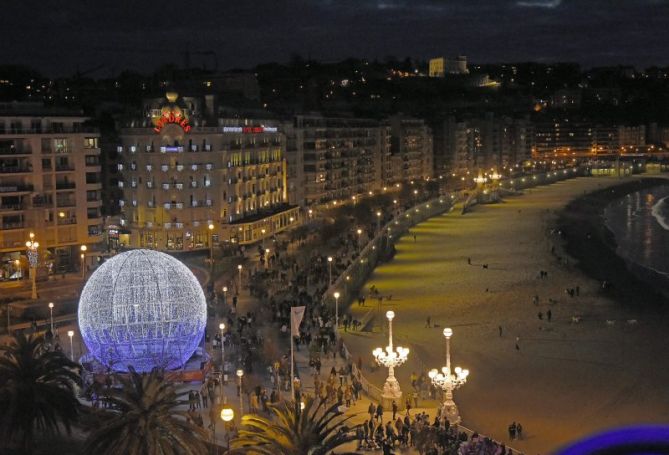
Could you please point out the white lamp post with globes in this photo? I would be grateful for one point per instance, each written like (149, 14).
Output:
(391, 358)
(448, 382)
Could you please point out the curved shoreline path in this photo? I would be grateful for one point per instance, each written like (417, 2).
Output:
(568, 379)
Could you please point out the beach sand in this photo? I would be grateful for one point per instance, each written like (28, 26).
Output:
(568, 379)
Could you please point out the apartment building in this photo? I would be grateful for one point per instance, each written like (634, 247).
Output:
(49, 186)
(191, 181)
(340, 157)
(412, 148)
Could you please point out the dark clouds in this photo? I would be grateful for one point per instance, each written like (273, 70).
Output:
(60, 37)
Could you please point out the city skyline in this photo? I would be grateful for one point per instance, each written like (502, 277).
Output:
(78, 37)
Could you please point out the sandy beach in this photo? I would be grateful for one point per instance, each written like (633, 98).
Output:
(568, 379)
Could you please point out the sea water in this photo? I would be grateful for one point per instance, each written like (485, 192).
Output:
(640, 223)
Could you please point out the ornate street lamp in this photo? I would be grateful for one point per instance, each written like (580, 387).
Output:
(33, 260)
(391, 358)
(448, 382)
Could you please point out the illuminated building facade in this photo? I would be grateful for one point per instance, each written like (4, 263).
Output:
(340, 157)
(49, 185)
(184, 171)
(411, 149)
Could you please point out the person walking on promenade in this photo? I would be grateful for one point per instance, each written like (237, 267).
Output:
(428, 322)
(379, 413)
(394, 410)
(500, 330)
(469, 261)
(549, 315)
(518, 344)
(519, 431)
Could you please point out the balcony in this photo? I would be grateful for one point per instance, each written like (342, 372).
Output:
(6, 151)
(66, 185)
(10, 207)
(64, 167)
(10, 226)
(67, 221)
(16, 170)
(19, 188)
(66, 203)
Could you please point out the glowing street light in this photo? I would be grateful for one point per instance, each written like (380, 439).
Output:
(391, 358)
(448, 382)
(83, 249)
(221, 327)
(239, 268)
(70, 333)
(33, 260)
(211, 245)
(225, 295)
(51, 312)
(336, 296)
(330, 270)
(240, 375)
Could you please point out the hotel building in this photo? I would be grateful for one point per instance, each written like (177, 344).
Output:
(191, 180)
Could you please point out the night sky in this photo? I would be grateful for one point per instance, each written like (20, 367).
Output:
(59, 37)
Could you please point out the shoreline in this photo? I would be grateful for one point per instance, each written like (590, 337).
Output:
(591, 243)
(586, 370)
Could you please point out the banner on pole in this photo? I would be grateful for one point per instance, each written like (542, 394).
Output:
(296, 315)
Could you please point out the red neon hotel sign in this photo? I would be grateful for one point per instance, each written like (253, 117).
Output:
(172, 117)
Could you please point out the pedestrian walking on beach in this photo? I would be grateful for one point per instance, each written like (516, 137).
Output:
(512, 431)
(549, 315)
(414, 238)
(500, 330)
(428, 322)
(517, 343)
(519, 431)
(469, 261)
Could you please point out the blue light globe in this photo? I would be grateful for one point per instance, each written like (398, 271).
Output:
(144, 309)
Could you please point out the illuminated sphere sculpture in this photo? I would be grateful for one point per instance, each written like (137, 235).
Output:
(143, 309)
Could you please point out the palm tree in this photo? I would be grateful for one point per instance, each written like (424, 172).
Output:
(37, 391)
(314, 430)
(147, 420)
